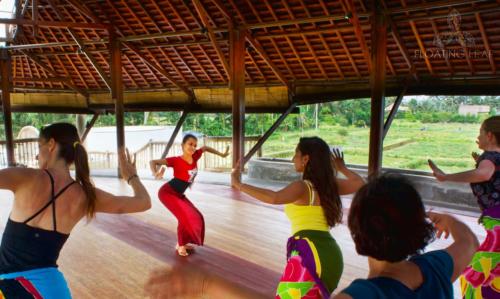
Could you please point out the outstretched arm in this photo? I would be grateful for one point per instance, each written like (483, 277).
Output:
(211, 150)
(289, 194)
(156, 167)
(352, 182)
(116, 204)
(465, 242)
(14, 178)
(482, 173)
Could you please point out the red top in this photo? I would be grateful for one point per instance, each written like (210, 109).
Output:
(182, 169)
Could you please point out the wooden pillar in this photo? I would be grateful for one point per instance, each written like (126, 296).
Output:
(174, 133)
(237, 80)
(117, 88)
(377, 83)
(5, 65)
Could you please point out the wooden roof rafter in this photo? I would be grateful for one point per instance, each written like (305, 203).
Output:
(83, 48)
(358, 30)
(484, 38)
(204, 19)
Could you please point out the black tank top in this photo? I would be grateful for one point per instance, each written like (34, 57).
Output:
(26, 247)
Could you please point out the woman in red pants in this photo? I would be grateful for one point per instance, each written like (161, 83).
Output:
(191, 227)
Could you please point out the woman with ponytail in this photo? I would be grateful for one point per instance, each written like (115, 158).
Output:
(48, 203)
(313, 206)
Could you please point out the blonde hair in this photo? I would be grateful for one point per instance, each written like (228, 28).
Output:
(492, 125)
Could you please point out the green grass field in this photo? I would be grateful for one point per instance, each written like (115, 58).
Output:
(408, 144)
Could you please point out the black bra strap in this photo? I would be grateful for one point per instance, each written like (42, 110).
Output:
(51, 201)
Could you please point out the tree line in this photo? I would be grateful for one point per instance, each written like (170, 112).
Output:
(344, 113)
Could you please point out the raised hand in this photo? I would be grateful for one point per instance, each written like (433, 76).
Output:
(127, 164)
(338, 158)
(441, 223)
(438, 173)
(475, 156)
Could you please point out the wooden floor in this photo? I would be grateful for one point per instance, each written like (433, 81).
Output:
(113, 256)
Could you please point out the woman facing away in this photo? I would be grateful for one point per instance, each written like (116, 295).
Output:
(48, 203)
(191, 225)
(481, 279)
(313, 206)
(389, 225)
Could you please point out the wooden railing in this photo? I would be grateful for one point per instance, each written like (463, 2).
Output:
(153, 150)
(25, 151)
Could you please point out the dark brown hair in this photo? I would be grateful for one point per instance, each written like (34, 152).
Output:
(320, 172)
(387, 220)
(187, 137)
(70, 149)
(492, 125)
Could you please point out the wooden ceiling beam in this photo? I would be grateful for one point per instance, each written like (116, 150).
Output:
(486, 43)
(258, 47)
(54, 24)
(44, 66)
(358, 31)
(83, 9)
(204, 19)
(83, 48)
(159, 69)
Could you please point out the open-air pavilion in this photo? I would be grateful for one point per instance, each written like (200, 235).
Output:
(200, 56)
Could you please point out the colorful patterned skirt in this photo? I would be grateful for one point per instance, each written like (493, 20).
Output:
(44, 283)
(314, 266)
(191, 225)
(481, 279)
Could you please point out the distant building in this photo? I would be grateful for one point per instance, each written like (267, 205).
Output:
(103, 139)
(473, 109)
(401, 108)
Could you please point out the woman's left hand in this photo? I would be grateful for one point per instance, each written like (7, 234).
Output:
(127, 164)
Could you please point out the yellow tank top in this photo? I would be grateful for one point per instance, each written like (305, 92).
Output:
(308, 217)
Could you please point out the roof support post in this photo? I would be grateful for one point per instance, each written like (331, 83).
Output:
(89, 126)
(394, 110)
(268, 133)
(178, 126)
(237, 55)
(377, 83)
(117, 89)
(5, 65)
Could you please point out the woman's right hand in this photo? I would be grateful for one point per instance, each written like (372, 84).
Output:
(159, 174)
(438, 173)
(442, 223)
(475, 156)
(127, 165)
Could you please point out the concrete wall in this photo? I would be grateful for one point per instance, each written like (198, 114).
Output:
(448, 195)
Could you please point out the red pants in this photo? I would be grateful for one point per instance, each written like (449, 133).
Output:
(191, 225)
